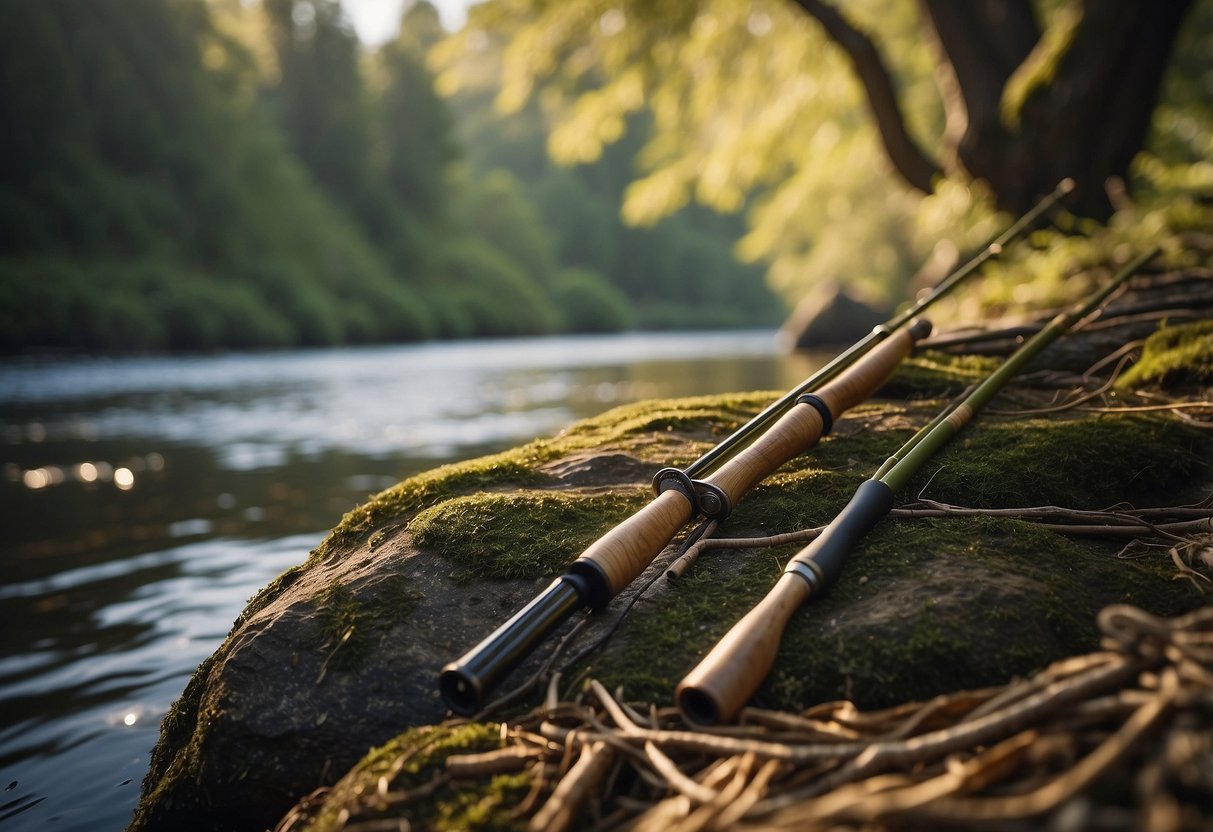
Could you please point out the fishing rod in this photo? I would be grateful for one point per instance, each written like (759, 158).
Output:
(618, 557)
(992, 249)
(595, 577)
(717, 688)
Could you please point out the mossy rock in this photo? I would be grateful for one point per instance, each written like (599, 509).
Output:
(413, 762)
(340, 654)
(1174, 357)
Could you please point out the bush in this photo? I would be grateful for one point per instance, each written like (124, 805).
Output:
(449, 318)
(587, 303)
(310, 308)
(58, 302)
(397, 313)
(494, 292)
(247, 320)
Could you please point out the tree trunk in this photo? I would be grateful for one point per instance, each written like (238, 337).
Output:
(979, 44)
(1026, 110)
(1087, 112)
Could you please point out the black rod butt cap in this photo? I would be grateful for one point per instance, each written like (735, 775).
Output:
(460, 689)
(698, 707)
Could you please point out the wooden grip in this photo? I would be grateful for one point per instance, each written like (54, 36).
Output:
(627, 550)
(864, 377)
(727, 677)
(794, 433)
(800, 428)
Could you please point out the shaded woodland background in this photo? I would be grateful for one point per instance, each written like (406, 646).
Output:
(194, 174)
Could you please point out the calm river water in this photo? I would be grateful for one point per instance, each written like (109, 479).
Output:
(145, 500)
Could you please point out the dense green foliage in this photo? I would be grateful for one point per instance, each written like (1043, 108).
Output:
(198, 174)
(755, 109)
(147, 203)
(1174, 357)
(679, 272)
(191, 174)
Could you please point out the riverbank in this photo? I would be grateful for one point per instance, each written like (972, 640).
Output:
(929, 605)
(156, 495)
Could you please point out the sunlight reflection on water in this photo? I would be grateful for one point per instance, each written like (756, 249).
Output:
(149, 498)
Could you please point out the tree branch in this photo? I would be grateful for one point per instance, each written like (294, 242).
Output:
(909, 160)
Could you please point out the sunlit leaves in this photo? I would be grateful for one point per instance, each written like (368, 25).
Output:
(753, 109)
(598, 117)
(658, 195)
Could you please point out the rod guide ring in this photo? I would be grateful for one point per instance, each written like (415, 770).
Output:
(705, 498)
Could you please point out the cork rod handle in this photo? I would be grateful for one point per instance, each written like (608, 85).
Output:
(801, 427)
(722, 683)
(626, 550)
(867, 375)
(727, 677)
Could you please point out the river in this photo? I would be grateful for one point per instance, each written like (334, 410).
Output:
(145, 500)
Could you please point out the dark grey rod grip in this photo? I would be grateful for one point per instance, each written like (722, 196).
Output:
(720, 685)
(821, 561)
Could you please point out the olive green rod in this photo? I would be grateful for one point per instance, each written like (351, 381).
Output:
(911, 457)
(729, 445)
(720, 685)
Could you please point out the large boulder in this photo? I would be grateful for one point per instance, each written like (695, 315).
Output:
(341, 653)
(829, 316)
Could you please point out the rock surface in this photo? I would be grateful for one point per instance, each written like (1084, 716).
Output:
(340, 654)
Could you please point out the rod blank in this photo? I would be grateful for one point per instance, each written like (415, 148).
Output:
(727, 447)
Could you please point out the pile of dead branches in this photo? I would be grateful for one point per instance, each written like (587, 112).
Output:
(1118, 739)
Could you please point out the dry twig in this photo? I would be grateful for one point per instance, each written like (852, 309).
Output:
(1134, 718)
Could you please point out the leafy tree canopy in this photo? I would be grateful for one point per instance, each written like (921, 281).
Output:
(763, 108)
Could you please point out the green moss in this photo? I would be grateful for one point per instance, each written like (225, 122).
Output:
(348, 620)
(937, 374)
(1173, 357)
(510, 469)
(177, 757)
(626, 429)
(811, 489)
(414, 759)
(338, 612)
(620, 429)
(1084, 463)
(520, 534)
(488, 807)
(951, 639)
(1037, 71)
(916, 586)
(1076, 462)
(908, 619)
